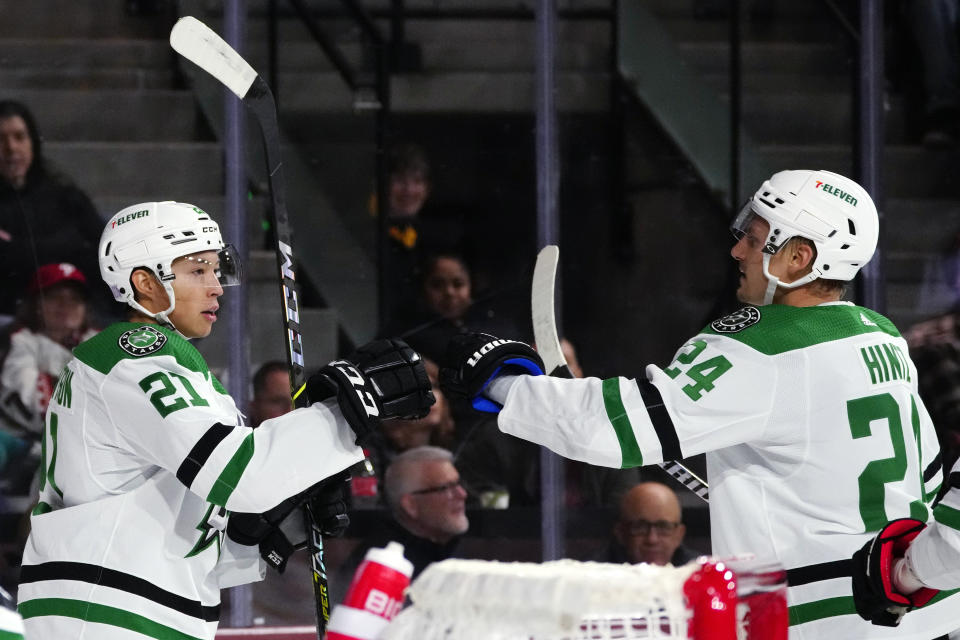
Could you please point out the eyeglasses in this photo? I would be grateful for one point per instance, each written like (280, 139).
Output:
(644, 527)
(449, 489)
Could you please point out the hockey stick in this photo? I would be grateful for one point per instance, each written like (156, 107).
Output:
(198, 43)
(548, 346)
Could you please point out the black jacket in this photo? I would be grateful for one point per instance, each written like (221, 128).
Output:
(50, 220)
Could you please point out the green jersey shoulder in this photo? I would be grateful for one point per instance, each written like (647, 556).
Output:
(140, 341)
(775, 329)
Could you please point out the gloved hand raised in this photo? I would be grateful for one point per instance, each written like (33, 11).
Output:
(874, 594)
(381, 380)
(475, 359)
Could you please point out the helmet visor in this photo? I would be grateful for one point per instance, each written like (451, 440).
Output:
(750, 223)
(230, 272)
(206, 269)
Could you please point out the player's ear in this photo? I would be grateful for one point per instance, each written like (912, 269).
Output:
(146, 288)
(803, 256)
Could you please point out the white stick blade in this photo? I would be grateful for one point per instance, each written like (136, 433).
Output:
(542, 308)
(198, 43)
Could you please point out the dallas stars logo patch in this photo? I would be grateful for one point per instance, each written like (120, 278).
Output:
(737, 321)
(142, 341)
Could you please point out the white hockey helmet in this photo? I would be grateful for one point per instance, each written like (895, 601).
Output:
(832, 211)
(151, 235)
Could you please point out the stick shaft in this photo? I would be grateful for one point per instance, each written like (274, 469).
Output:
(201, 45)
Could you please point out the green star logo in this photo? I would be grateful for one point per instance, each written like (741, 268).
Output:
(142, 341)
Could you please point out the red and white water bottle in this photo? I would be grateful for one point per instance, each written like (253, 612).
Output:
(375, 595)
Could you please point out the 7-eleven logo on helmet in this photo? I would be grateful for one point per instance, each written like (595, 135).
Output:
(834, 191)
(143, 213)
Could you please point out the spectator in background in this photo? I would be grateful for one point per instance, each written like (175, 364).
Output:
(408, 188)
(44, 218)
(415, 226)
(650, 528)
(53, 320)
(446, 306)
(271, 392)
(498, 467)
(426, 512)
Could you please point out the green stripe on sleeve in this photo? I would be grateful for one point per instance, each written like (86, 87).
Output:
(819, 609)
(947, 516)
(230, 477)
(10, 635)
(102, 614)
(617, 415)
(839, 606)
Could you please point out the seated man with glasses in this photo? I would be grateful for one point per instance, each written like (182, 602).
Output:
(427, 515)
(650, 528)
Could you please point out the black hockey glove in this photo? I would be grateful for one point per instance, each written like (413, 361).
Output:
(477, 358)
(381, 380)
(873, 592)
(328, 509)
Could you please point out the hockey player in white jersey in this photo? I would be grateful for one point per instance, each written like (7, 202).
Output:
(145, 456)
(806, 406)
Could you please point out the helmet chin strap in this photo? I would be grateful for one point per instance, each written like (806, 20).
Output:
(162, 317)
(773, 282)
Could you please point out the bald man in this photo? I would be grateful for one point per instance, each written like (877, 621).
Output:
(650, 527)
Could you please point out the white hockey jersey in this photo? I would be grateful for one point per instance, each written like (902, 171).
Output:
(815, 438)
(144, 457)
(935, 554)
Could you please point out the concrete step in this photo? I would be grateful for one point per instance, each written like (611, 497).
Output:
(440, 55)
(67, 18)
(719, 9)
(763, 82)
(922, 225)
(683, 27)
(175, 169)
(32, 78)
(454, 92)
(111, 115)
(85, 53)
(810, 117)
(265, 335)
(761, 57)
(464, 31)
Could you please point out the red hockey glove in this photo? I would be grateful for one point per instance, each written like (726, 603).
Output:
(874, 596)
